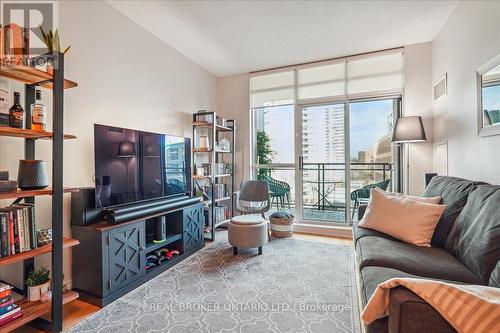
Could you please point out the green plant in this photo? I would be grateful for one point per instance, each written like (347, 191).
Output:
(52, 41)
(37, 277)
(264, 152)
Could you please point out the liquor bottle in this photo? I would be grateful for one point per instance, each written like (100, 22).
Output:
(38, 113)
(16, 112)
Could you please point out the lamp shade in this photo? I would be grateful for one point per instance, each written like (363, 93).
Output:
(126, 149)
(409, 129)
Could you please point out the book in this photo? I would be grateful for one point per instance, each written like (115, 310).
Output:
(20, 225)
(12, 241)
(5, 287)
(16, 43)
(7, 308)
(4, 234)
(10, 316)
(15, 234)
(30, 217)
(6, 301)
(5, 293)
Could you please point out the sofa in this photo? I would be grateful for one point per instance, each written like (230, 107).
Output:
(465, 249)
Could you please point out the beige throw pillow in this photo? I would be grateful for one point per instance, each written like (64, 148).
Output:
(405, 219)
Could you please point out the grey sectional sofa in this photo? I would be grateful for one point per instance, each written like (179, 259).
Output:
(465, 249)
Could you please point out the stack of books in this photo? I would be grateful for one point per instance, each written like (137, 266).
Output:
(8, 310)
(17, 229)
(14, 45)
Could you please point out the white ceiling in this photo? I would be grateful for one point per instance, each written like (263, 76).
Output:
(231, 37)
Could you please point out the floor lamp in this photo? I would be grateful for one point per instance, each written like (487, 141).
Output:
(408, 130)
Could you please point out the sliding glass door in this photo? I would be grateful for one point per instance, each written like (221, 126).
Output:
(322, 162)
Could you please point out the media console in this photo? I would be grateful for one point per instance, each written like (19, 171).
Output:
(111, 258)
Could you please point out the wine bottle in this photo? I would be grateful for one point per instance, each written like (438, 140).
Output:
(38, 113)
(16, 112)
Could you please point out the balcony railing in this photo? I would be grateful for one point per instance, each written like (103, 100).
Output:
(324, 185)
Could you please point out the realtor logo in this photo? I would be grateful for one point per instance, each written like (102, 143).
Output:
(21, 37)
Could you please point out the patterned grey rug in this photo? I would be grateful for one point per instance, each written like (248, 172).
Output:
(295, 286)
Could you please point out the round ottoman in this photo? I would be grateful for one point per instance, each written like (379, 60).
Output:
(247, 231)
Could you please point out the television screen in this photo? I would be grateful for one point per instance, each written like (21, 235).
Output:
(133, 165)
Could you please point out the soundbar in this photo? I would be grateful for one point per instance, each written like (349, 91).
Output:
(147, 209)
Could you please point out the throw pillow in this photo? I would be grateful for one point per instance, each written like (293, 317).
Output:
(408, 220)
(446, 222)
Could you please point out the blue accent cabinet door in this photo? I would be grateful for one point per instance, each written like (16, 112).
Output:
(127, 255)
(193, 222)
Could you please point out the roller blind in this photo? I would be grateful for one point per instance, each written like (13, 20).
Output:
(321, 81)
(272, 89)
(375, 73)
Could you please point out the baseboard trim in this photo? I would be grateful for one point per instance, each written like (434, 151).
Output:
(321, 230)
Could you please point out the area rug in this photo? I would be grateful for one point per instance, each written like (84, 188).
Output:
(295, 286)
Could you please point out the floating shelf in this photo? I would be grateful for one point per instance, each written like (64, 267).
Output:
(31, 75)
(210, 176)
(169, 240)
(209, 202)
(207, 124)
(31, 193)
(29, 134)
(33, 310)
(67, 242)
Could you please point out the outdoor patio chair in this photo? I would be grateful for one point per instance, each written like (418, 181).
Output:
(364, 193)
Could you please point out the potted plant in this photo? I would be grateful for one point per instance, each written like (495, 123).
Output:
(38, 282)
(53, 43)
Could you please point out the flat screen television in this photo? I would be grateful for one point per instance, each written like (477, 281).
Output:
(133, 165)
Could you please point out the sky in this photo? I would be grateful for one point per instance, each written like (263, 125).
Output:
(369, 122)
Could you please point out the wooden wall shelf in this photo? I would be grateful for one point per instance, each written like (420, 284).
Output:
(30, 75)
(33, 310)
(29, 134)
(31, 193)
(207, 124)
(67, 242)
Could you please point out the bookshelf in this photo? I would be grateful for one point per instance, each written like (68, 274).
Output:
(205, 123)
(55, 81)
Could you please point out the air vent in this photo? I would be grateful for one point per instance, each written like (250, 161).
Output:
(440, 87)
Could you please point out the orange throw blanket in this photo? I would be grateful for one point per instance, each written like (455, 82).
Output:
(468, 308)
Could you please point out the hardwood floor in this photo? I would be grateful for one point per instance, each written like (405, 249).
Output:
(78, 310)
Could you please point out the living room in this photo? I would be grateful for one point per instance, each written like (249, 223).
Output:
(237, 166)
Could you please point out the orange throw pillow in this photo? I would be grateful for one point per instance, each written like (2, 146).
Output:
(408, 220)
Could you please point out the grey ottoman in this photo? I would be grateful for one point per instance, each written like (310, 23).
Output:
(247, 231)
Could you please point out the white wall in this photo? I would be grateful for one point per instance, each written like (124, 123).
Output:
(418, 102)
(469, 39)
(233, 102)
(128, 78)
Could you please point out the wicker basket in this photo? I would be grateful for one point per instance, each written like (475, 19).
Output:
(282, 226)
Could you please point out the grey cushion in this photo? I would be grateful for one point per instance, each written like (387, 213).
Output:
(372, 276)
(429, 262)
(359, 232)
(475, 236)
(495, 276)
(450, 189)
(454, 192)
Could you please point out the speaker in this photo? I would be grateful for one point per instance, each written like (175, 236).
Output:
(83, 210)
(160, 227)
(427, 178)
